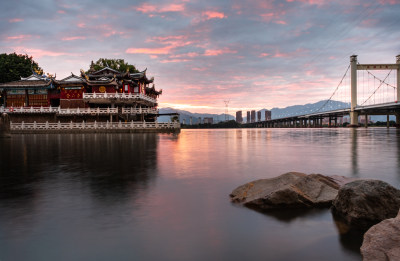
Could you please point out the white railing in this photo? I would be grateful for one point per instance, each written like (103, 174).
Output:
(76, 111)
(29, 109)
(122, 96)
(139, 110)
(93, 126)
(87, 111)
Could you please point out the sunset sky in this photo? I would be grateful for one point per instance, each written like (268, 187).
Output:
(257, 54)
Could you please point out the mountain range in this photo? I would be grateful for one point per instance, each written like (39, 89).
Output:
(324, 105)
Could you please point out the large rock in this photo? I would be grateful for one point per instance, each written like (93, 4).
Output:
(293, 189)
(382, 241)
(363, 203)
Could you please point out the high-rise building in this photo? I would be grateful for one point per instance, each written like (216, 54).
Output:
(208, 120)
(267, 115)
(239, 118)
(259, 116)
(253, 116)
(248, 117)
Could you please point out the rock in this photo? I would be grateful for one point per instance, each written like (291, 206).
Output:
(293, 189)
(363, 203)
(382, 241)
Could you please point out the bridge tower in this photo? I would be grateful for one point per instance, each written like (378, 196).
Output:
(353, 70)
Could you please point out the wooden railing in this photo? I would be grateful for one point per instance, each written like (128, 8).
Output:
(93, 125)
(122, 96)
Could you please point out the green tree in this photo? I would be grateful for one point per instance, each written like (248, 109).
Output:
(14, 66)
(116, 64)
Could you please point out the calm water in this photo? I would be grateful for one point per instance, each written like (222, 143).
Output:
(165, 197)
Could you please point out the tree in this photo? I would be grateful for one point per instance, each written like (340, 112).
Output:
(116, 64)
(14, 66)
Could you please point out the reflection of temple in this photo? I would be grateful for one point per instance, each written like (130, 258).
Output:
(106, 93)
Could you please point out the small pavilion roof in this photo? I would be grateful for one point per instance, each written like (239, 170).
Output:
(31, 82)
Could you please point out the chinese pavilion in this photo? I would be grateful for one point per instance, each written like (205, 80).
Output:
(106, 94)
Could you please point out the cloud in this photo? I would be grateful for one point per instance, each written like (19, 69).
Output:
(73, 38)
(15, 20)
(147, 8)
(38, 53)
(213, 14)
(19, 37)
(162, 50)
(216, 52)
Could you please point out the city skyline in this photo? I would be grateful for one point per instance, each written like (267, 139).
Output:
(256, 54)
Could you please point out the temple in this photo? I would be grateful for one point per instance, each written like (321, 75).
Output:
(105, 95)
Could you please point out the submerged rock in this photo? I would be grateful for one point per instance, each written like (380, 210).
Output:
(293, 189)
(363, 203)
(382, 241)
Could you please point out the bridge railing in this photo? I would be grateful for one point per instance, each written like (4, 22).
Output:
(94, 125)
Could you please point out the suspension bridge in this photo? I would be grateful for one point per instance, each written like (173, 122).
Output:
(364, 90)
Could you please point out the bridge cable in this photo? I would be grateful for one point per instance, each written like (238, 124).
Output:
(382, 82)
(337, 87)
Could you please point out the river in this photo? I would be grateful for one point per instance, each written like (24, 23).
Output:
(166, 196)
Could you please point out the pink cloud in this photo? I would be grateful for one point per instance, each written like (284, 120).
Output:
(73, 38)
(37, 53)
(280, 22)
(310, 2)
(162, 50)
(169, 43)
(264, 54)
(19, 37)
(147, 8)
(390, 2)
(81, 25)
(200, 69)
(213, 14)
(15, 20)
(61, 11)
(216, 52)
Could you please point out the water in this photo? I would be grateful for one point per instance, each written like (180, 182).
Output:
(165, 197)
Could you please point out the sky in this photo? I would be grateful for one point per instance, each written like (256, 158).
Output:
(255, 54)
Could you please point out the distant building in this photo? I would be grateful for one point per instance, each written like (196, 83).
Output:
(259, 116)
(248, 117)
(239, 118)
(199, 122)
(267, 115)
(253, 116)
(208, 120)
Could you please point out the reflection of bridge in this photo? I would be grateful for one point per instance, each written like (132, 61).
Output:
(379, 97)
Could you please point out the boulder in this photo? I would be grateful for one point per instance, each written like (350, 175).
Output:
(293, 189)
(364, 203)
(382, 241)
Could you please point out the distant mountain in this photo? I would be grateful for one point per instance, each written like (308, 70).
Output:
(275, 112)
(186, 115)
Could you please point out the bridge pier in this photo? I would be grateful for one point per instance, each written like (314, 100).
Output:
(353, 75)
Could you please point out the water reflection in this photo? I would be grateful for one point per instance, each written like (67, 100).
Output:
(165, 197)
(354, 152)
(350, 238)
